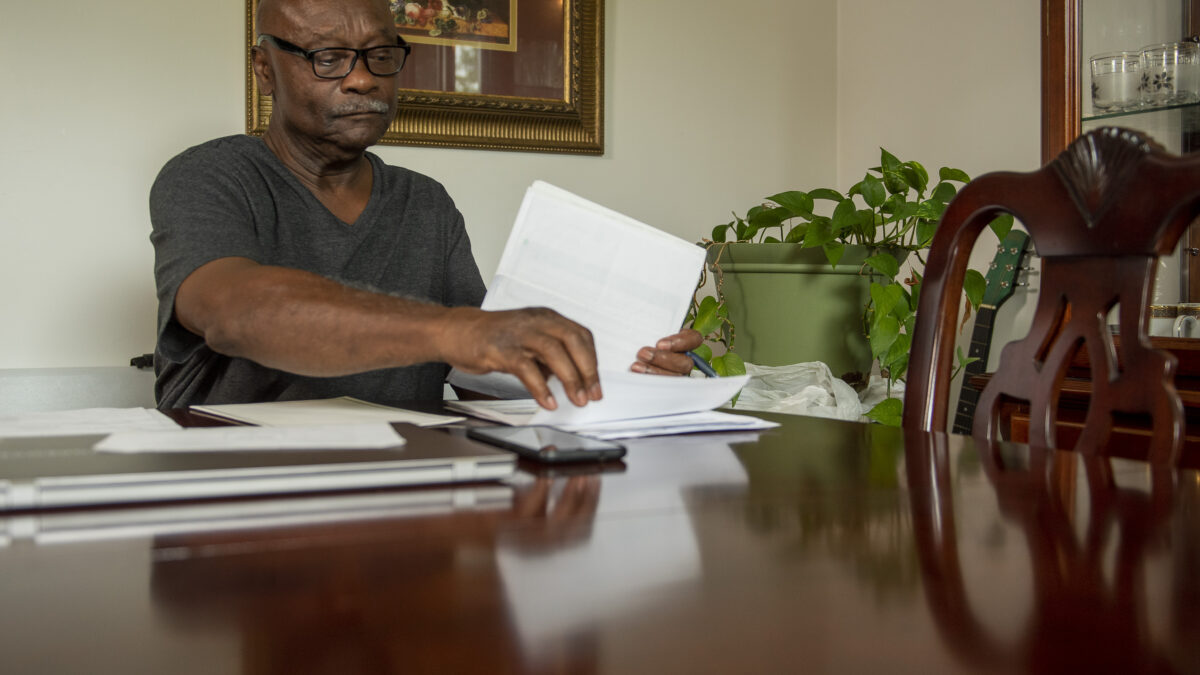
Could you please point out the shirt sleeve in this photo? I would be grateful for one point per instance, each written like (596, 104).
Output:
(464, 284)
(199, 212)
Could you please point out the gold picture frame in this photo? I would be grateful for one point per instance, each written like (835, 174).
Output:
(548, 95)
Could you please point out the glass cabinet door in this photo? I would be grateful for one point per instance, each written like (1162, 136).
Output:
(1134, 64)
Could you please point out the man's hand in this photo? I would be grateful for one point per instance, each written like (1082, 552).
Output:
(667, 357)
(529, 343)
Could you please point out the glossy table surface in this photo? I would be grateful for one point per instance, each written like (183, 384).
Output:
(820, 546)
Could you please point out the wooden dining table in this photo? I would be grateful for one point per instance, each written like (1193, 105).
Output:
(818, 546)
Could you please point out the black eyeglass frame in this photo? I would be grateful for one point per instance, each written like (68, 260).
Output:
(310, 54)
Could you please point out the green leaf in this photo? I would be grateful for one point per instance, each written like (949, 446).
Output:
(974, 285)
(963, 360)
(885, 299)
(904, 209)
(718, 233)
(889, 412)
(946, 173)
(826, 194)
(707, 319)
(885, 264)
(873, 192)
(897, 356)
(833, 252)
(798, 203)
(925, 231)
(763, 217)
(729, 364)
(796, 234)
(772, 240)
(844, 216)
(1001, 225)
(897, 368)
(931, 209)
(888, 161)
(883, 335)
(820, 232)
(916, 175)
(944, 192)
(896, 183)
(704, 352)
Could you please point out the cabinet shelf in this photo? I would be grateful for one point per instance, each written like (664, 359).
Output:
(1147, 110)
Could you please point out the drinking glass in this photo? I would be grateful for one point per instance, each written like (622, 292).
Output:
(1115, 80)
(1170, 73)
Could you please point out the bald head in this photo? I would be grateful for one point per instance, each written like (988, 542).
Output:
(276, 16)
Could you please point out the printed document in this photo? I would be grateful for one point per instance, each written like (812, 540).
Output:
(627, 282)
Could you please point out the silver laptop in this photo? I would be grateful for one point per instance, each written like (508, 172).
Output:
(61, 472)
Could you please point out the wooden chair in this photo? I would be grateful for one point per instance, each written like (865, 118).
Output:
(1099, 215)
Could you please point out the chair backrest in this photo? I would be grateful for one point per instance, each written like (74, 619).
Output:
(1099, 215)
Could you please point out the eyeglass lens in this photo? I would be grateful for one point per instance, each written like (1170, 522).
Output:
(335, 62)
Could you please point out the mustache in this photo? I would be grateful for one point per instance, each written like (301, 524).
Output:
(364, 106)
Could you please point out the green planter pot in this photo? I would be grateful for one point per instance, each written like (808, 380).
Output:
(788, 305)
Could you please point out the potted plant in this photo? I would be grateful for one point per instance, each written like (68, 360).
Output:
(863, 238)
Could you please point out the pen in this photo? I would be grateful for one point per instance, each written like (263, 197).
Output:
(702, 365)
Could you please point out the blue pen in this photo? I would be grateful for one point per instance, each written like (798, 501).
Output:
(702, 365)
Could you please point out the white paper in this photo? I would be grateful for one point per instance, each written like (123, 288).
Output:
(670, 425)
(82, 422)
(627, 282)
(213, 439)
(634, 405)
(320, 412)
(631, 395)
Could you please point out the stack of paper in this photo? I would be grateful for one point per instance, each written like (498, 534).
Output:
(633, 406)
(320, 412)
(628, 283)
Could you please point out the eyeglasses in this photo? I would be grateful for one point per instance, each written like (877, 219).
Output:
(334, 63)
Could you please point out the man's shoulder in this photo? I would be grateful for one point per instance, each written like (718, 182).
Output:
(225, 152)
(406, 180)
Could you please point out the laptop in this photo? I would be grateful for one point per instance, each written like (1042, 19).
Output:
(64, 471)
(227, 517)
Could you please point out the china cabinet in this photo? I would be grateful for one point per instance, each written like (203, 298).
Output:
(1073, 31)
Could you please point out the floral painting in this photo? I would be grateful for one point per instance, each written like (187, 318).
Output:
(490, 24)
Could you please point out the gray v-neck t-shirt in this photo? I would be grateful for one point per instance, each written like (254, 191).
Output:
(232, 197)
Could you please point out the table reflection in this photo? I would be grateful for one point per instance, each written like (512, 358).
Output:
(1094, 528)
(421, 592)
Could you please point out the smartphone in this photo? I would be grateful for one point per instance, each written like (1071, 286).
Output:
(547, 444)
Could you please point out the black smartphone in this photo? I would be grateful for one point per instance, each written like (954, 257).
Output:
(547, 444)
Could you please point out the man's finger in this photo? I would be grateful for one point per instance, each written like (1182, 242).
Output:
(531, 376)
(553, 355)
(582, 351)
(662, 362)
(685, 340)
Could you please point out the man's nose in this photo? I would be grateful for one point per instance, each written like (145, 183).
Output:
(359, 78)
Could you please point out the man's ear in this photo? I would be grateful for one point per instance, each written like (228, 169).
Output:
(262, 71)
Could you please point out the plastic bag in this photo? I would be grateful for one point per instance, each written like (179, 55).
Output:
(800, 389)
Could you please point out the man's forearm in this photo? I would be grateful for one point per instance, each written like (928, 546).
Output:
(306, 324)
(309, 325)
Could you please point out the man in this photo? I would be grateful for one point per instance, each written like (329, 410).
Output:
(301, 266)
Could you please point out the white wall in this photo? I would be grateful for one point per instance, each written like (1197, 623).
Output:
(706, 113)
(946, 83)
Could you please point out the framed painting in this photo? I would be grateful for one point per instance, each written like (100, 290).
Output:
(521, 75)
